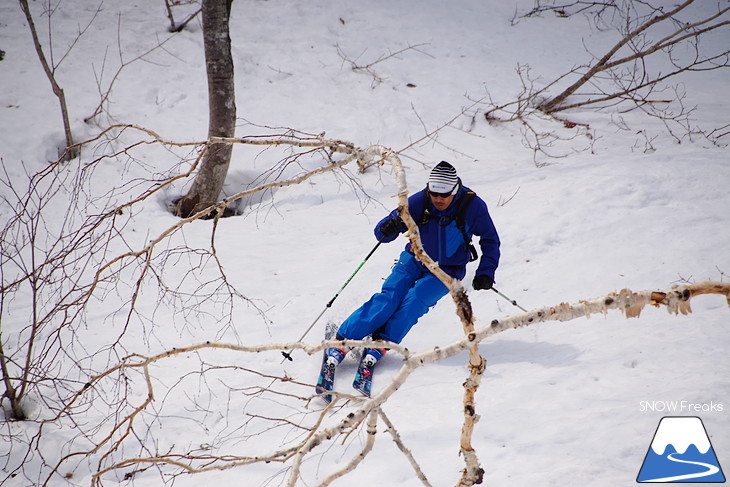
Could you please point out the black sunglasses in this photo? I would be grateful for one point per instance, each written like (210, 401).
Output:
(439, 195)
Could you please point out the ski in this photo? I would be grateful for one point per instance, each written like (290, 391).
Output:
(364, 376)
(326, 380)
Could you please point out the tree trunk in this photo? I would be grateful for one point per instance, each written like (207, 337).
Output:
(221, 108)
(71, 151)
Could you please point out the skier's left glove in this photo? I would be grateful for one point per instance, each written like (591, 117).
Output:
(483, 282)
(390, 227)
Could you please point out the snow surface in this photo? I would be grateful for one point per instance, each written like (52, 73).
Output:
(572, 403)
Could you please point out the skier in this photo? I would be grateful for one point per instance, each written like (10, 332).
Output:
(448, 215)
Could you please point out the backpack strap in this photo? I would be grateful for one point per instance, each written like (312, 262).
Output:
(426, 215)
(461, 223)
(461, 210)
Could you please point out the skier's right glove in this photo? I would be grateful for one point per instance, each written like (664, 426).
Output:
(391, 227)
(482, 282)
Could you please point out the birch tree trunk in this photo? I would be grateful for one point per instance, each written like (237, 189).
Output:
(209, 181)
(71, 151)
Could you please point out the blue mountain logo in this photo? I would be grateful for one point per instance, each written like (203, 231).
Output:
(681, 452)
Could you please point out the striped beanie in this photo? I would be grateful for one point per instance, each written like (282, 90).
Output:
(443, 179)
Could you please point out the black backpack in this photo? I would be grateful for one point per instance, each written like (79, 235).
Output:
(459, 216)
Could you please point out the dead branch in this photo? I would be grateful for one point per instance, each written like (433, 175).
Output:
(630, 303)
(567, 9)
(104, 93)
(399, 442)
(473, 473)
(174, 26)
(655, 47)
(368, 68)
(135, 397)
(371, 430)
(676, 300)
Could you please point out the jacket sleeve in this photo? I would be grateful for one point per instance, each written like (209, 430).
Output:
(480, 223)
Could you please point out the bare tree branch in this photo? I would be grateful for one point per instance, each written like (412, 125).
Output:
(364, 411)
(655, 47)
(134, 390)
(368, 68)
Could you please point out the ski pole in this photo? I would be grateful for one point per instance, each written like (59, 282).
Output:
(287, 355)
(508, 299)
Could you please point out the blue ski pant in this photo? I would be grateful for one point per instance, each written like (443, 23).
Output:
(407, 294)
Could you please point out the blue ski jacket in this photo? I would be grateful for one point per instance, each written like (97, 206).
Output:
(442, 239)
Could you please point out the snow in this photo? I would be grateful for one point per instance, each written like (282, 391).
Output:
(560, 404)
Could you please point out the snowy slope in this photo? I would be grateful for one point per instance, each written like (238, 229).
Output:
(560, 403)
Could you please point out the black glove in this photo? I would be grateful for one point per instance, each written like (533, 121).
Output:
(482, 282)
(390, 227)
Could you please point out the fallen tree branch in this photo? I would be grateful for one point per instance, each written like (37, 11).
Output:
(319, 427)
(630, 303)
(676, 300)
(372, 424)
(473, 473)
(399, 442)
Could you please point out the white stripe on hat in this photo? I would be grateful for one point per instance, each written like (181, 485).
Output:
(443, 178)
